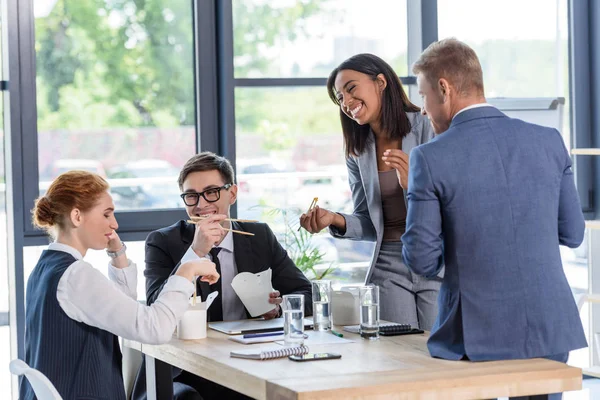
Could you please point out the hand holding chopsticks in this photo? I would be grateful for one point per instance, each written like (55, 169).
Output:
(194, 218)
(316, 219)
(227, 229)
(203, 268)
(197, 220)
(313, 204)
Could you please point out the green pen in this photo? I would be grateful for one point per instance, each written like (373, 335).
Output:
(337, 333)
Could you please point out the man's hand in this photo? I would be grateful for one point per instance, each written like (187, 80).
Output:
(274, 298)
(209, 232)
(398, 160)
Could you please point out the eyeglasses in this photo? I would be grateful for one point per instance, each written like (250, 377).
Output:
(211, 195)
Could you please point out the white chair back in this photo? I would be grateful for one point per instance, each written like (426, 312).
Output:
(42, 387)
(132, 360)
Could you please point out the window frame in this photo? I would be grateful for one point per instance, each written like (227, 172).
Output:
(584, 83)
(21, 139)
(424, 27)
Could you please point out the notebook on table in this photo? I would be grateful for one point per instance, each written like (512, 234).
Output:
(252, 326)
(398, 329)
(388, 329)
(267, 353)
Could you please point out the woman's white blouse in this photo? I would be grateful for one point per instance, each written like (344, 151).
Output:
(85, 295)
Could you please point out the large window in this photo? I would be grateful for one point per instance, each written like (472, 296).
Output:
(289, 38)
(519, 58)
(115, 94)
(288, 137)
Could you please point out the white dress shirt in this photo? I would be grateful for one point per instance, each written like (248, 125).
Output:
(473, 106)
(85, 295)
(233, 308)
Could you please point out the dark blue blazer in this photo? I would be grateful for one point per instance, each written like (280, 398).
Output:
(494, 197)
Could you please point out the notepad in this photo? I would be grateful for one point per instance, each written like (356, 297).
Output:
(387, 329)
(270, 352)
(252, 340)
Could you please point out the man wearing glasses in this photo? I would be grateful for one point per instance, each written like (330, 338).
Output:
(208, 190)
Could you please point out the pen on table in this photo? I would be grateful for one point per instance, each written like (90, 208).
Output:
(255, 335)
(336, 333)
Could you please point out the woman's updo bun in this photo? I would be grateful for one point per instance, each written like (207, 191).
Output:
(73, 189)
(44, 216)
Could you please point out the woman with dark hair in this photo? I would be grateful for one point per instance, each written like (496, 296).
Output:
(380, 127)
(73, 314)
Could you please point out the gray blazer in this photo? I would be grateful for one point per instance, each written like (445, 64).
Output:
(366, 221)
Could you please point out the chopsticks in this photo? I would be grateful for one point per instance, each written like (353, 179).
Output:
(226, 219)
(313, 204)
(227, 229)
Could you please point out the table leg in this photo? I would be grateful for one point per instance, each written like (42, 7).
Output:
(159, 379)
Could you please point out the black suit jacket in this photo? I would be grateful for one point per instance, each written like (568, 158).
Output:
(165, 248)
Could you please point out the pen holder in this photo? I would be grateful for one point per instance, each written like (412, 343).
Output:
(345, 306)
(192, 324)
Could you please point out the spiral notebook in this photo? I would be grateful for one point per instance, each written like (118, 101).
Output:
(398, 329)
(387, 329)
(270, 353)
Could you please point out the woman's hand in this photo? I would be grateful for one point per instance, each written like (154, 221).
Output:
(203, 268)
(114, 242)
(398, 160)
(317, 219)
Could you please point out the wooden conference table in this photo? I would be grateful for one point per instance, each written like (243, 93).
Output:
(397, 367)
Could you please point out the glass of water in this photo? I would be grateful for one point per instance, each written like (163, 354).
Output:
(321, 296)
(293, 319)
(369, 312)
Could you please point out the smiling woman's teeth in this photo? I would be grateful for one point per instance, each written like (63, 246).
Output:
(355, 110)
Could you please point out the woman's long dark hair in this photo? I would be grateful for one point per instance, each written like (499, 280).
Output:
(394, 103)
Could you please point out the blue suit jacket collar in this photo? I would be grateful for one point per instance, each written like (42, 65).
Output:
(476, 113)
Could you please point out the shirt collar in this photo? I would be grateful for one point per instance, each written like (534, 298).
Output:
(67, 249)
(473, 106)
(227, 242)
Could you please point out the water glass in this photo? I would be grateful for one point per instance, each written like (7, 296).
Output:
(293, 319)
(369, 312)
(321, 296)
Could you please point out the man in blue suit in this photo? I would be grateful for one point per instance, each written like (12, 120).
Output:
(492, 198)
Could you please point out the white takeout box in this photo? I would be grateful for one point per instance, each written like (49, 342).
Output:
(345, 306)
(254, 290)
(193, 323)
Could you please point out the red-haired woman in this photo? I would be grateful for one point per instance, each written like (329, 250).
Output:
(73, 313)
